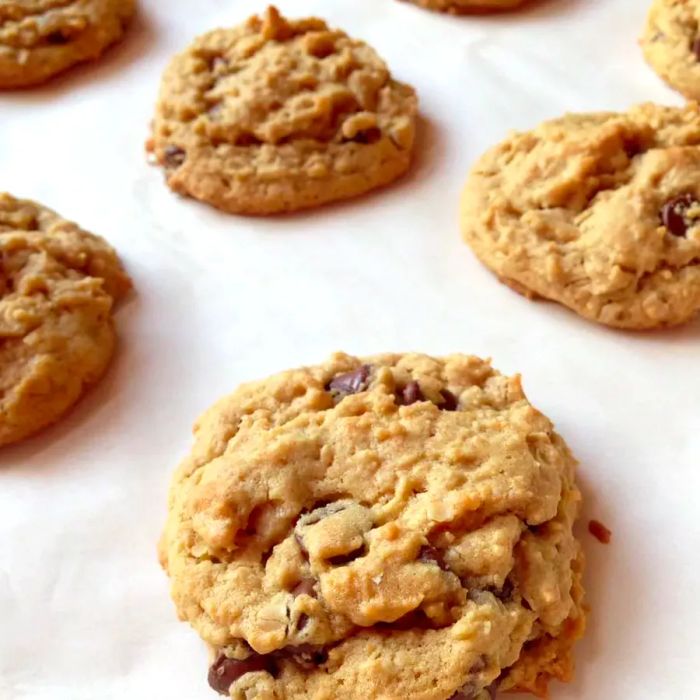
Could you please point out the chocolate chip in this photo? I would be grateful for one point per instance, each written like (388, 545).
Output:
(673, 214)
(225, 671)
(430, 555)
(305, 587)
(504, 593)
(368, 135)
(449, 401)
(350, 382)
(57, 38)
(343, 559)
(472, 692)
(174, 156)
(695, 48)
(302, 621)
(411, 393)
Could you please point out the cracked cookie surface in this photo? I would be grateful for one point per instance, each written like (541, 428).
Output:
(395, 526)
(58, 284)
(40, 38)
(671, 44)
(466, 6)
(276, 115)
(600, 212)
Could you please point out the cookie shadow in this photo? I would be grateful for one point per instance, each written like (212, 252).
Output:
(99, 403)
(428, 151)
(135, 44)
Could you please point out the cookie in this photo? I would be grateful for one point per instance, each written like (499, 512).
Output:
(671, 44)
(58, 284)
(390, 527)
(456, 7)
(40, 38)
(600, 212)
(277, 115)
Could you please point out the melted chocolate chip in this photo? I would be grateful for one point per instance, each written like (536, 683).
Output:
(368, 135)
(57, 38)
(302, 621)
(174, 156)
(411, 393)
(225, 671)
(430, 555)
(673, 214)
(305, 587)
(695, 48)
(343, 559)
(505, 593)
(471, 692)
(449, 401)
(350, 382)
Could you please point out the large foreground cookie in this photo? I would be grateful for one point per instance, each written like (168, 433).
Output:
(395, 527)
(600, 212)
(671, 44)
(39, 38)
(277, 115)
(466, 6)
(57, 287)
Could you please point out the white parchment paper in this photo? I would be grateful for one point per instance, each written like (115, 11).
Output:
(84, 607)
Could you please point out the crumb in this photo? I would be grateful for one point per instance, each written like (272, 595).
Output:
(599, 531)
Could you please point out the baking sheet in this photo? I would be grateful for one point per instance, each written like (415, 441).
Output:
(84, 607)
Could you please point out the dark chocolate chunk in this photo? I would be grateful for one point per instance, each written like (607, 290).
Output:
(449, 401)
(343, 559)
(430, 555)
(57, 38)
(350, 382)
(695, 48)
(411, 393)
(225, 671)
(673, 214)
(174, 156)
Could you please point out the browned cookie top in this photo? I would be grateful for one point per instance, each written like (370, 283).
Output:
(39, 38)
(397, 526)
(278, 114)
(58, 284)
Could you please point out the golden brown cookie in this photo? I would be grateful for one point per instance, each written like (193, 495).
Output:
(393, 527)
(600, 212)
(58, 284)
(457, 7)
(40, 38)
(277, 115)
(671, 44)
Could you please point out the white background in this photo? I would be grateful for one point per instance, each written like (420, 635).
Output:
(84, 607)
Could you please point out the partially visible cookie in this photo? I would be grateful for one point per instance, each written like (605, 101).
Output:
(600, 212)
(397, 526)
(40, 38)
(276, 115)
(58, 284)
(457, 7)
(671, 44)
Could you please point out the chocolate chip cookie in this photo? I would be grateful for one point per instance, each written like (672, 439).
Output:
(456, 7)
(392, 527)
(40, 38)
(600, 212)
(277, 115)
(58, 284)
(671, 44)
